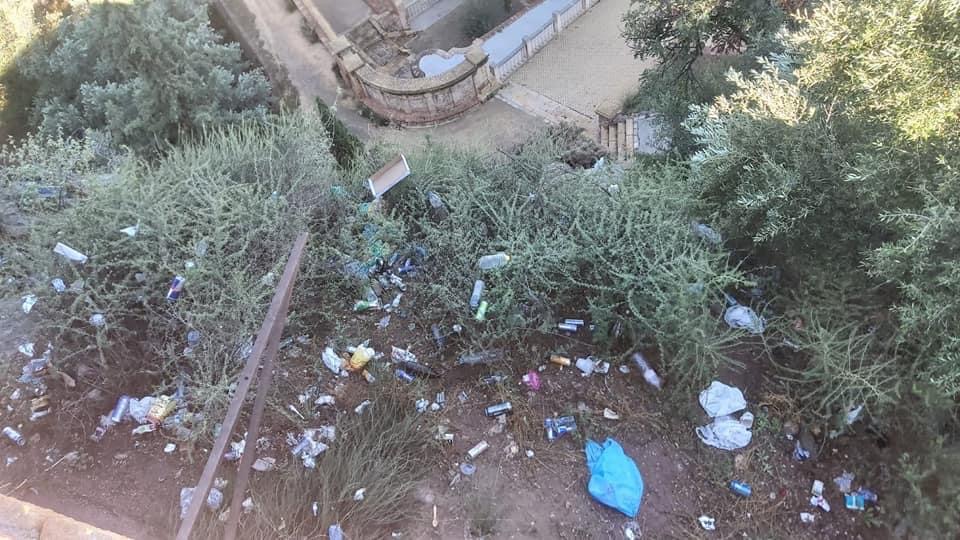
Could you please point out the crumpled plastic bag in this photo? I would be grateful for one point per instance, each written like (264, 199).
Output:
(725, 433)
(330, 359)
(738, 316)
(720, 399)
(614, 478)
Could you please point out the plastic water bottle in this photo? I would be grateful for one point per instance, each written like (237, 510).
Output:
(489, 262)
(477, 292)
(649, 374)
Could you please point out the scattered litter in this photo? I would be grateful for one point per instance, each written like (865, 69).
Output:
(854, 414)
(131, 231)
(360, 357)
(602, 368)
(28, 302)
(624, 369)
(15, 395)
(403, 375)
(610, 414)
(399, 355)
(561, 361)
(719, 399)
(558, 427)
(806, 517)
(97, 320)
(844, 482)
(468, 469)
(490, 262)
(144, 429)
(358, 494)
(708, 523)
(817, 498)
(236, 449)
(800, 453)
(26, 349)
(362, 406)
(817, 488)
(330, 359)
(384, 323)
(476, 294)
(614, 478)
(742, 317)
(499, 409)
(649, 374)
(138, 408)
(161, 408)
(493, 378)
(69, 253)
(478, 449)
(325, 399)
(631, 531)
(334, 532)
(307, 449)
(482, 357)
(391, 174)
(295, 411)
(530, 453)
(214, 499)
(462, 397)
(264, 464)
(176, 288)
(481, 314)
(422, 405)
(742, 489)
(586, 365)
(169, 448)
(531, 380)
(14, 436)
(247, 505)
(58, 285)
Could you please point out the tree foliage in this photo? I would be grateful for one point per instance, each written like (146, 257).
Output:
(144, 72)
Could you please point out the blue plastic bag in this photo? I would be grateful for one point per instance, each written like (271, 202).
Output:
(614, 478)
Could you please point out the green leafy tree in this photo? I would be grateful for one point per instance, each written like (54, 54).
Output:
(144, 72)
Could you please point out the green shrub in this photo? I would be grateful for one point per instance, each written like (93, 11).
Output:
(578, 246)
(345, 146)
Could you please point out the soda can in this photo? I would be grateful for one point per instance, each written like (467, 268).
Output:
(120, 410)
(568, 327)
(477, 293)
(494, 378)
(559, 360)
(574, 322)
(480, 448)
(742, 489)
(403, 375)
(499, 409)
(176, 287)
(557, 427)
(14, 436)
(481, 311)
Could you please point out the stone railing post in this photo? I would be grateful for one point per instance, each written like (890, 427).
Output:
(556, 22)
(527, 52)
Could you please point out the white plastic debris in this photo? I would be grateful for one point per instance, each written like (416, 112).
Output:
(817, 498)
(708, 523)
(742, 317)
(624, 369)
(28, 302)
(422, 405)
(69, 253)
(26, 349)
(333, 361)
(720, 399)
(97, 320)
(610, 414)
(169, 448)
(358, 494)
(58, 285)
(726, 432)
(853, 414)
(325, 399)
(131, 231)
(362, 406)
(586, 366)
(140, 407)
(334, 532)
(264, 464)
(214, 499)
(844, 482)
(247, 505)
(807, 517)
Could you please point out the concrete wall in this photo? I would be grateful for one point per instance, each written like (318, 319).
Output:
(23, 520)
(422, 101)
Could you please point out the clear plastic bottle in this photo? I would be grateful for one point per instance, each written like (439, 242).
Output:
(649, 374)
(477, 292)
(489, 262)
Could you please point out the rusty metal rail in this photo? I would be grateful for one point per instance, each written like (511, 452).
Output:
(264, 349)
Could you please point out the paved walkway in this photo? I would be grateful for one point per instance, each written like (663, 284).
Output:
(587, 64)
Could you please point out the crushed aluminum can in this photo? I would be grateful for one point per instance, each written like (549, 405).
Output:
(478, 449)
(441, 399)
(562, 361)
(499, 409)
(494, 378)
(742, 489)
(557, 427)
(14, 436)
(176, 288)
(403, 375)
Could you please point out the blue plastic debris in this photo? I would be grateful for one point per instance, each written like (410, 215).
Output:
(614, 478)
